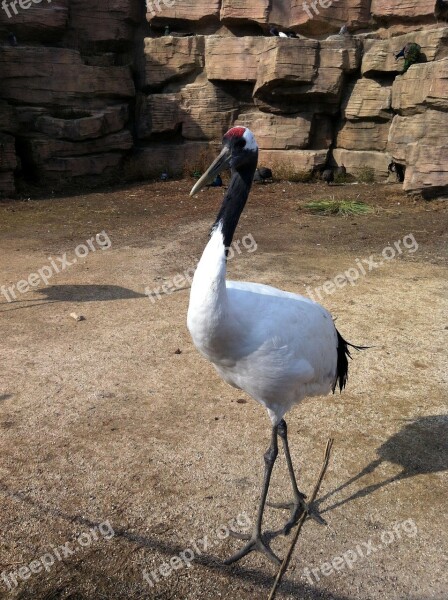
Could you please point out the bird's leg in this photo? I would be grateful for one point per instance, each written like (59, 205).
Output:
(298, 504)
(258, 541)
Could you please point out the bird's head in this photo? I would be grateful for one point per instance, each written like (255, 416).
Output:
(239, 149)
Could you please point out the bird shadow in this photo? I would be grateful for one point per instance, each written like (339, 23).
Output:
(419, 448)
(5, 397)
(78, 293)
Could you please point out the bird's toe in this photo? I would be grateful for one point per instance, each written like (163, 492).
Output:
(314, 514)
(257, 543)
(297, 507)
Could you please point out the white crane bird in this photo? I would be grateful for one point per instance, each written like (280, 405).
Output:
(277, 346)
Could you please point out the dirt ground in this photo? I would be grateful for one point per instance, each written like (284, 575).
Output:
(121, 445)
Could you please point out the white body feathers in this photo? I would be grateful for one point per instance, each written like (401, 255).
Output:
(277, 346)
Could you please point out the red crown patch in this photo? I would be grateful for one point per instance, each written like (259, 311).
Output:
(235, 132)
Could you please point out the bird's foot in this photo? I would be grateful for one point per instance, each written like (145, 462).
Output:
(297, 507)
(256, 542)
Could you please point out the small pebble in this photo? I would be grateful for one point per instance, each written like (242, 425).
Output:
(77, 317)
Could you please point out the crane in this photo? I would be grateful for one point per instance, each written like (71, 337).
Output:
(277, 346)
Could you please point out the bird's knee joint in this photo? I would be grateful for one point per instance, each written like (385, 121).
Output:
(270, 456)
(282, 429)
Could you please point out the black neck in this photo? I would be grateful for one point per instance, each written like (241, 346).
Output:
(235, 200)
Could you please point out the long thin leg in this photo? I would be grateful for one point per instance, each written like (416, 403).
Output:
(283, 433)
(260, 542)
(298, 505)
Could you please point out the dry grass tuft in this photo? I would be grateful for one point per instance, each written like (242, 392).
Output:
(366, 175)
(287, 172)
(338, 207)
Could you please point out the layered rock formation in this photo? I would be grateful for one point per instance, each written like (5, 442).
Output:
(95, 90)
(418, 137)
(65, 93)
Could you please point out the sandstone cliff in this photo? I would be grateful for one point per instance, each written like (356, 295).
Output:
(91, 90)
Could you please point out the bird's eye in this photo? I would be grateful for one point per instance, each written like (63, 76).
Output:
(240, 143)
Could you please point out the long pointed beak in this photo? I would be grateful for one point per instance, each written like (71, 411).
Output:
(219, 164)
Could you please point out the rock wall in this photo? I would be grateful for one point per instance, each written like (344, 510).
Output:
(66, 91)
(94, 91)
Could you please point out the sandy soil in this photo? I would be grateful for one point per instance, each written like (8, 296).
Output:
(121, 444)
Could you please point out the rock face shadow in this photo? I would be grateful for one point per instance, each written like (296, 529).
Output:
(421, 447)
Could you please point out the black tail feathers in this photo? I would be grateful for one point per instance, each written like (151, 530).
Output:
(342, 364)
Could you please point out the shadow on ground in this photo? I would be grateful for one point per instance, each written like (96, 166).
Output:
(257, 577)
(87, 293)
(421, 447)
(76, 293)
